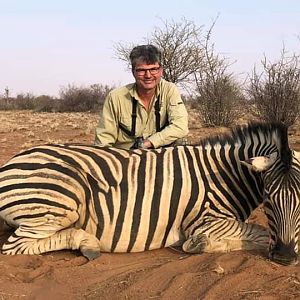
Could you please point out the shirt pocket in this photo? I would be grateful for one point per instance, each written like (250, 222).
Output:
(126, 122)
(140, 128)
(125, 126)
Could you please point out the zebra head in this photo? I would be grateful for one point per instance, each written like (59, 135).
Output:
(281, 180)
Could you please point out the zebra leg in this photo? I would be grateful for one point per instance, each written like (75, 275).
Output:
(41, 235)
(23, 243)
(227, 235)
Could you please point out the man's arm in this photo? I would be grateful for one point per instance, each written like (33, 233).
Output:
(107, 128)
(178, 121)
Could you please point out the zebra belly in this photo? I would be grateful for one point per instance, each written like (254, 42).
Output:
(130, 241)
(140, 244)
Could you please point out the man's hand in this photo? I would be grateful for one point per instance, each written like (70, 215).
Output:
(147, 144)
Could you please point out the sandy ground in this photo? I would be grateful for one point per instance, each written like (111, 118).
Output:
(159, 274)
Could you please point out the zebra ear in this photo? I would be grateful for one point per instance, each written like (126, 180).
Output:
(260, 163)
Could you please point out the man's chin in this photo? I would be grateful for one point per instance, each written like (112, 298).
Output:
(148, 86)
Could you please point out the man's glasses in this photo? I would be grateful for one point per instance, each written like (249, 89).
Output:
(142, 72)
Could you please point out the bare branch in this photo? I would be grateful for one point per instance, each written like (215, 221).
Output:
(275, 92)
(181, 44)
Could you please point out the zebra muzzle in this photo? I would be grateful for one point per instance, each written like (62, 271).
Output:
(284, 254)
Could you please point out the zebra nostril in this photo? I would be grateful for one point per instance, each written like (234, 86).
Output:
(284, 260)
(283, 253)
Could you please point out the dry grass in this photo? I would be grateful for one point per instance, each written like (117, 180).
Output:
(23, 129)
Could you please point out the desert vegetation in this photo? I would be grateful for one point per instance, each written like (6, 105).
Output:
(71, 99)
(158, 274)
(208, 87)
(215, 100)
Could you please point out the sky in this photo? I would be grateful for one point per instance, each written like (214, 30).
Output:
(50, 44)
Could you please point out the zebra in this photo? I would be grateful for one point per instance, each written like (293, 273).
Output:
(197, 197)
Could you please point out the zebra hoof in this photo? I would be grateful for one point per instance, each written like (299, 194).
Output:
(196, 244)
(90, 254)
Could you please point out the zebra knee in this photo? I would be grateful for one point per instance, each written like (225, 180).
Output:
(88, 244)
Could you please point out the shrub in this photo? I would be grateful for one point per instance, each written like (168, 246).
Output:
(275, 93)
(83, 98)
(218, 100)
(22, 101)
(45, 103)
(72, 99)
(217, 92)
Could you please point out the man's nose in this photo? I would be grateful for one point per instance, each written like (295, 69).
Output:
(147, 73)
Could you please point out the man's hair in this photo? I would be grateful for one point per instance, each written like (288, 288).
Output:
(148, 54)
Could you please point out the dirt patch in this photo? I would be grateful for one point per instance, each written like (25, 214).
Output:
(159, 274)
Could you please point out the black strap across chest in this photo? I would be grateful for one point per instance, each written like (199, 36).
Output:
(157, 115)
(134, 115)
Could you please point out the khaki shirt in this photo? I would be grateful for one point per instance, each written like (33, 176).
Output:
(117, 109)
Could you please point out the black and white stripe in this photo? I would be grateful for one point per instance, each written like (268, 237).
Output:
(63, 196)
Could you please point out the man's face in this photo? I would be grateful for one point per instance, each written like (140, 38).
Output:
(147, 76)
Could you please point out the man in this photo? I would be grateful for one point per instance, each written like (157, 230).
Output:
(146, 114)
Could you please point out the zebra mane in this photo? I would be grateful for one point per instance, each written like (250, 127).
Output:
(276, 132)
